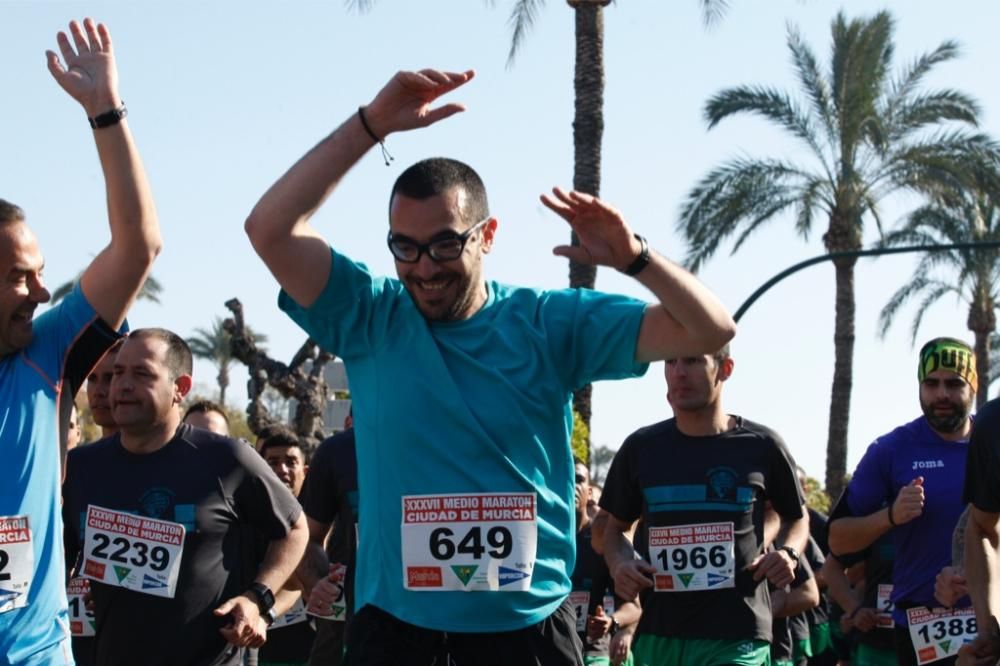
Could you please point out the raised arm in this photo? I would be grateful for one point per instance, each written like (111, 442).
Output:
(688, 320)
(88, 73)
(278, 226)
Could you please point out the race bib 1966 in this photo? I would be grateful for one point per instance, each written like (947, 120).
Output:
(938, 633)
(692, 557)
(475, 542)
(81, 620)
(17, 560)
(134, 552)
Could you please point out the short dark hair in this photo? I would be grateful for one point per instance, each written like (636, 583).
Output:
(279, 435)
(10, 212)
(437, 175)
(179, 360)
(204, 406)
(722, 354)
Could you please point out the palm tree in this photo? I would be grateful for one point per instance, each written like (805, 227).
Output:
(869, 135)
(973, 274)
(150, 290)
(213, 345)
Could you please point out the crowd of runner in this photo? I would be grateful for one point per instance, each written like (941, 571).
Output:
(448, 523)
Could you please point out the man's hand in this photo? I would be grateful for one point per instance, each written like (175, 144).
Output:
(909, 502)
(621, 645)
(89, 74)
(326, 591)
(605, 238)
(405, 102)
(246, 627)
(865, 619)
(598, 624)
(950, 586)
(777, 566)
(983, 651)
(632, 576)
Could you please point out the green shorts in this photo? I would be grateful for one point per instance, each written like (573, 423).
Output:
(866, 655)
(820, 639)
(650, 650)
(801, 649)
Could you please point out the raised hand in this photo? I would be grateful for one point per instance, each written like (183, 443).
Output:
(909, 503)
(405, 101)
(605, 238)
(87, 70)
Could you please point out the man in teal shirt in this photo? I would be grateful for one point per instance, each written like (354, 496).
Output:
(461, 389)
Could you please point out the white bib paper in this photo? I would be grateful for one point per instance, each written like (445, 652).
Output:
(883, 617)
(473, 543)
(17, 561)
(81, 620)
(580, 599)
(938, 633)
(295, 615)
(134, 552)
(691, 558)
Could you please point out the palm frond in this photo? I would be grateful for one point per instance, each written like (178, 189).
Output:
(813, 84)
(522, 17)
(935, 291)
(914, 73)
(712, 11)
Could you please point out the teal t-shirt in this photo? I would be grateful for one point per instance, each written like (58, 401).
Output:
(466, 408)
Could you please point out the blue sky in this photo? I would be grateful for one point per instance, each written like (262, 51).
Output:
(224, 96)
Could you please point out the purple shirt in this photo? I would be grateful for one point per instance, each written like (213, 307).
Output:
(923, 545)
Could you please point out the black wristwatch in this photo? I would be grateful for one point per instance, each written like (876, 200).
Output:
(792, 553)
(264, 598)
(615, 627)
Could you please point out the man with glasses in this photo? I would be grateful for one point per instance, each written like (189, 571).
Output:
(461, 389)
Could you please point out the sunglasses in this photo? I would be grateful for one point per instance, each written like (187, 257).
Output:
(444, 247)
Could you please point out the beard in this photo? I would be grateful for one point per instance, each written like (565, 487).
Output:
(454, 301)
(946, 422)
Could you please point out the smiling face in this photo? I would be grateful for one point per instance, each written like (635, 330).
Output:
(446, 290)
(21, 289)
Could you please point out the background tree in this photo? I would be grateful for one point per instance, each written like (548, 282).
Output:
(972, 275)
(214, 345)
(868, 135)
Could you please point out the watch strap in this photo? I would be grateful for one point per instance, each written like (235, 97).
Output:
(108, 118)
(642, 260)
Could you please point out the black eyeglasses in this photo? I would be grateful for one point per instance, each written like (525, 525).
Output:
(445, 247)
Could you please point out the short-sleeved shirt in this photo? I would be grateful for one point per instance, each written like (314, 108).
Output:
(672, 479)
(982, 473)
(217, 488)
(37, 385)
(788, 630)
(923, 545)
(330, 495)
(469, 407)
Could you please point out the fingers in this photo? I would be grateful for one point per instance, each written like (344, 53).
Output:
(577, 253)
(92, 37)
(442, 112)
(79, 39)
(225, 608)
(105, 35)
(68, 54)
(918, 482)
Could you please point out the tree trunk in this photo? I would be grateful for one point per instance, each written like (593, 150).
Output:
(588, 130)
(982, 322)
(223, 379)
(843, 235)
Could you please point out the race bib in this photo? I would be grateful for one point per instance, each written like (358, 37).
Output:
(81, 620)
(338, 609)
(134, 552)
(691, 558)
(476, 543)
(580, 600)
(295, 615)
(940, 632)
(17, 561)
(883, 616)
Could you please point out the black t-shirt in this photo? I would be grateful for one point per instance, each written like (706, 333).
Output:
(982, 471)
(590, 575)
(671, 479)
(330, 495)
(814, 556)
(217, 488)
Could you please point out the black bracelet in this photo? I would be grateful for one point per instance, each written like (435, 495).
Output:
(891, 521)
(381, 142)
(108, 118)
(641, 261)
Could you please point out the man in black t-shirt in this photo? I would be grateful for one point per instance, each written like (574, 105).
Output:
(330, 499)
(702, 483)
(982, 535)
(157, 513)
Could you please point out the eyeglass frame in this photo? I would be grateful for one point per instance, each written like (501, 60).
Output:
(426, 247)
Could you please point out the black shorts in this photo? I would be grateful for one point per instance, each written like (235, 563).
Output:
(380, 639)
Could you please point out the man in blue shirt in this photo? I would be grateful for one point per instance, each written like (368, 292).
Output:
(43, 361)
(909, 484)
(461, 389)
